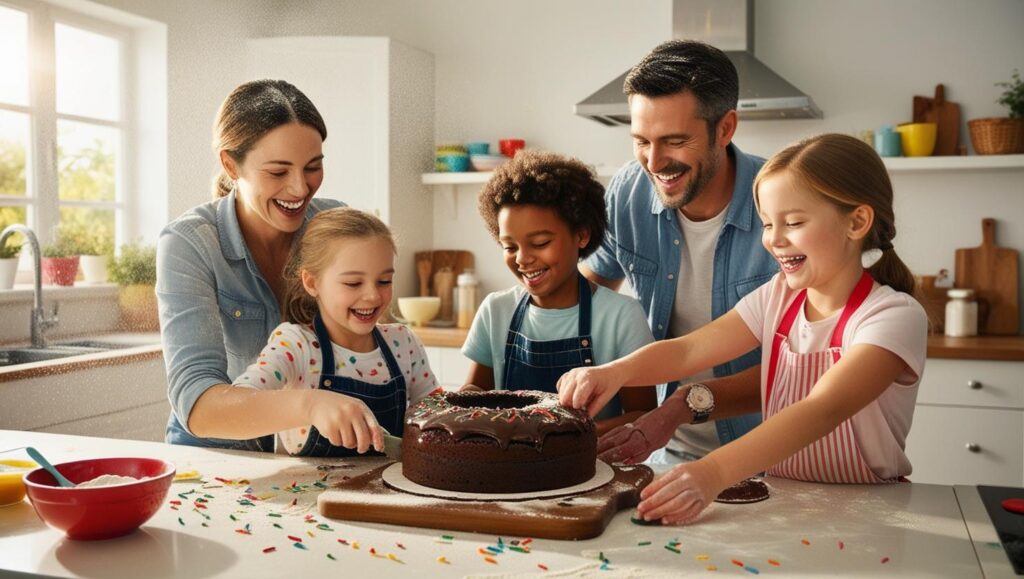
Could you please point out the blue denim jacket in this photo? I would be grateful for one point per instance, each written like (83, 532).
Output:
(644, 244)
(216, 310)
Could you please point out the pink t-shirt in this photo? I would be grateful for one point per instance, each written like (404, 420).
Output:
(888, 319)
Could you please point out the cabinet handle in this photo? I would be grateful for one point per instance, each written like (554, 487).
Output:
(973, 447)
(974, 384)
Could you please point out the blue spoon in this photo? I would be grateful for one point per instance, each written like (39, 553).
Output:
(49, 467)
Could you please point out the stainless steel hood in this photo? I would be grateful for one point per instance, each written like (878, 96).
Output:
(729, 26)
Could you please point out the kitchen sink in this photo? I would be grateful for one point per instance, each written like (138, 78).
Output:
(15, 356)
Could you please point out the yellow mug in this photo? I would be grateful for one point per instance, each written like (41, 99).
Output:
(12, 489)
(918, 139)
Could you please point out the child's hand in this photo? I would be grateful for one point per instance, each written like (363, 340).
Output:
(633, 442)
(471, 388)
(588, 388)
(680, 494)
(344, 420)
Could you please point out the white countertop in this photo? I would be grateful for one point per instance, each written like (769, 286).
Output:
(908, 530)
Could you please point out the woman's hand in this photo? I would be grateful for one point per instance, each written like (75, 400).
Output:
(680, 494)
(588, 388)
(633, 442)
(344, 420)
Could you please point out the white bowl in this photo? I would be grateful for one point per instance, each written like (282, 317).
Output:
(487, 162)
(419, 310)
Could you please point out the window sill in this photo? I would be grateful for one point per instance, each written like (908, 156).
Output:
(24, 292)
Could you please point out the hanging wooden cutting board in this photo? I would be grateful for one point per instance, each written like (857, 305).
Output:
(945, 115)
(992, 273)
(367, 498)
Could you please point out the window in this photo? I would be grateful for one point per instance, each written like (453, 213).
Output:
(63, 124)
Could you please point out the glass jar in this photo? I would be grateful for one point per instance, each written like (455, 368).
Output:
(961, 313)
(467, 289)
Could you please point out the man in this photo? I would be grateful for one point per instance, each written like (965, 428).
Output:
(684, 230)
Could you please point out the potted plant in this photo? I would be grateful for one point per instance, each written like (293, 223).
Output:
(9, 253)
(60, 260)
(134, 269)
(1002, 135)
(94, 252)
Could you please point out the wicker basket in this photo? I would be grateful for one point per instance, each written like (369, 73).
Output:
(997, 136)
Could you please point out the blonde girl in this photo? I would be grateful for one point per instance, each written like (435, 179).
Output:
(331, 374)
(843, 341)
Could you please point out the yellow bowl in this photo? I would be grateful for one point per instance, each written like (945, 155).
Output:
(12, 488)
(918, 139)
(419, 310)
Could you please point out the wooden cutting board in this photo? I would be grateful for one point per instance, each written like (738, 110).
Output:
(992, 273)
(945, 115)
(457, 259)
(366, 498)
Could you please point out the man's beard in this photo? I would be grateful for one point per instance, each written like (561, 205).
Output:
(705, 172)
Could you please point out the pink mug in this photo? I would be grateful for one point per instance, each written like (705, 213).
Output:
(508, 147)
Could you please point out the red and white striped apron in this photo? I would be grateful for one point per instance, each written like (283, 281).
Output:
(834, 458)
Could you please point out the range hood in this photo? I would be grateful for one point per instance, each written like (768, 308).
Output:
(729, 26)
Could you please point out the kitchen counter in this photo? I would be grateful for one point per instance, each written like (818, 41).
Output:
(909, 530)
(1010, 348)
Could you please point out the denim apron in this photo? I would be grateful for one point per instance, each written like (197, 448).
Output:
(537, 365)
(387, 401)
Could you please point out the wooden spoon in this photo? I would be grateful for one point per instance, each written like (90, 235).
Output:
(423, 267)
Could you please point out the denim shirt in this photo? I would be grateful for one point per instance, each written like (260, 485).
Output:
(644, 245)
(216, 309)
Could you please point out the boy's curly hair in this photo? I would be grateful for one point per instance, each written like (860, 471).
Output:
(548, 180)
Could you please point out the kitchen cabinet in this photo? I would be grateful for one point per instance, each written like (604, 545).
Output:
(969, 423)
(449, 365)
(376, 96)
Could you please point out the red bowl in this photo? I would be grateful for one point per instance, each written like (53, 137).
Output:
(100, 512)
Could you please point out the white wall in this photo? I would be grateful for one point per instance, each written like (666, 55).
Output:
(508, 69)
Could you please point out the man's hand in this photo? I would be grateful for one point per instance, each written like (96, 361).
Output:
(632, 443)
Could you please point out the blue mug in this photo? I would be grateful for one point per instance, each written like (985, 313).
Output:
(460, 163)
(479, 148)
(888, 142)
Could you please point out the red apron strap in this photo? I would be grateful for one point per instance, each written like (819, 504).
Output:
(780, 334)
(860, 293)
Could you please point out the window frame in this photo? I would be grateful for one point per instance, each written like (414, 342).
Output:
(41, 200)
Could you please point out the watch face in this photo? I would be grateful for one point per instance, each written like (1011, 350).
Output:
(699, 397)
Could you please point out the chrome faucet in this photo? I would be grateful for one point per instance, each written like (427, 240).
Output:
(40, 322)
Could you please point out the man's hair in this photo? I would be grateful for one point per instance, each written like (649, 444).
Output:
(676, 66)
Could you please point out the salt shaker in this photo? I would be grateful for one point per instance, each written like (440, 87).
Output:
(961, 313)
(467, 288)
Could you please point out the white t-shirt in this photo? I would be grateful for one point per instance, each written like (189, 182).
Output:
(690, 311)
(292, 359)
(887, 319)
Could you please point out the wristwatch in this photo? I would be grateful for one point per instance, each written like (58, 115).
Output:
(701, 402)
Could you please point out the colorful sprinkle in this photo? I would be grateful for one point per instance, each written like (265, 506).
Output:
(774, 562)
(343, 541)
(644, 543)
(278, 515)
(181, 521)
(443, 560)
(542, 566)
(526, 542)
(711, 568)
(299, 546)
(673, 549)
(394, 558)
(278, 526)
(737, 563)
(331, 557)
(269, 549)
(176, 503)
(884, 560)
(840, 545)
(310, 533)
(702, 557)
(752, 570)
(805, 541)
(295, 539)
(491, 560)
(400, 546)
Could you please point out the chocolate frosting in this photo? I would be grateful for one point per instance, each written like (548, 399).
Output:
(526, 416)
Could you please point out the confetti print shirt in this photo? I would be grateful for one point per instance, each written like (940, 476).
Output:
(292, 359)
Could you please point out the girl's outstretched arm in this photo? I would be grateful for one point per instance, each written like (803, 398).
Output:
(721, 340)
(861, 376)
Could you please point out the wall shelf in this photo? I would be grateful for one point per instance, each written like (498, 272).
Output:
(894, 164)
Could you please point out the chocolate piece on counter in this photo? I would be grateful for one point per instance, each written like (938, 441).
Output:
(752, 490)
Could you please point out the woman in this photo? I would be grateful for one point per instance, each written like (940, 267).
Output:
(220, 266)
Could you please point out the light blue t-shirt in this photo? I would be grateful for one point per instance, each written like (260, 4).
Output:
(618, 326)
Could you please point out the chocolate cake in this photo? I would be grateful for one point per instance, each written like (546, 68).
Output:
(497, 442)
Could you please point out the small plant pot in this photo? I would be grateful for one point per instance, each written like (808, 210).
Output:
(60, 270)
(8, 271)
(94, 268)
(139, 312)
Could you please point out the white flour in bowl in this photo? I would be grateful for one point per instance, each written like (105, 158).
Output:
(106, 480)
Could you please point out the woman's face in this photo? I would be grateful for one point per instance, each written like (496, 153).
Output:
(278, 178)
